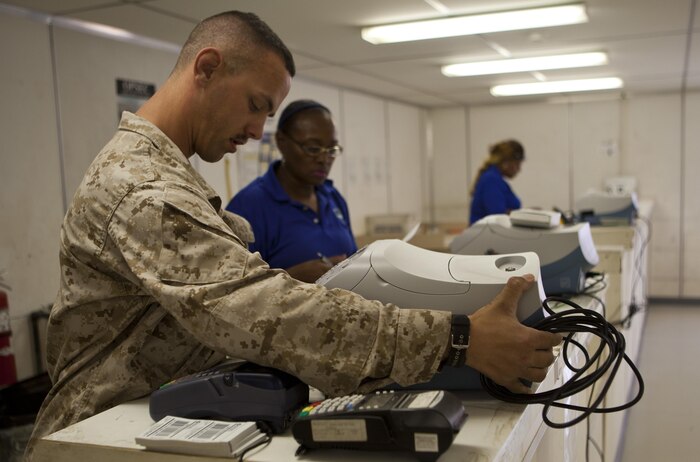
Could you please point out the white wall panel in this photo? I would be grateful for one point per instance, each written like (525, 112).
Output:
(30, 180)
(651, 151)
(691, 202)
(450, 169)
(406, 159)
(366, 163)
(543, 129)
(595, 145)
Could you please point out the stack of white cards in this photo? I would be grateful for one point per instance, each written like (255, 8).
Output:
(201, 437)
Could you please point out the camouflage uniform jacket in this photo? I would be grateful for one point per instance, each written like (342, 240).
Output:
(157, 283)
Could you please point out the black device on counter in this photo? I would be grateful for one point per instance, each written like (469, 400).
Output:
(236, 391)
(422, 422)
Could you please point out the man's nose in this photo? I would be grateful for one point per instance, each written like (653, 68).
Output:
(255, 130)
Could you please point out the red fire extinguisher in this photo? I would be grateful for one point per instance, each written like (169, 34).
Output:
(8, 370)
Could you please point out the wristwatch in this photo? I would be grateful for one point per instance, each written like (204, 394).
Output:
(459, 340)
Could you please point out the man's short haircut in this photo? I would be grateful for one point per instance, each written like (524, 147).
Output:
(238, 34)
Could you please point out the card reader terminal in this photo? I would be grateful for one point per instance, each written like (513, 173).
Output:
(236, 391)
(422, 422)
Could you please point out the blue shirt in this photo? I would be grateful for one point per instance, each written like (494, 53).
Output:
(492, 195)
(288, 232)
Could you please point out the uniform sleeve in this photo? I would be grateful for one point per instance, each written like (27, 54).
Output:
(494, 197)
(239, 225)
(185, 256)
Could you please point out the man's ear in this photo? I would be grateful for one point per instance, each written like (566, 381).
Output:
(207, 61)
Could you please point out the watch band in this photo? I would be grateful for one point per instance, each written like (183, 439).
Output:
(459, 340)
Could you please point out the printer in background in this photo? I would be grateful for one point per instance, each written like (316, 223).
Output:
(566, 253)
(621, 185)
(616, 205)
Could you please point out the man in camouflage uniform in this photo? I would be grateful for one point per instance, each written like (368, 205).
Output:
(157, 281)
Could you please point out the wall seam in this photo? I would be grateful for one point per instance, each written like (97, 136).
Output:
(430, 167)
(387, 158)
(570, 143)
(423, 120)
(683, 96)
(59, 125)
(468, 153)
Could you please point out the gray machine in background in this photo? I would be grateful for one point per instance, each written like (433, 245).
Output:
(566, 253)
(606, 208)
(393, 271)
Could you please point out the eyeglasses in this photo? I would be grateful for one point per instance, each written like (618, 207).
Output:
(317, 151)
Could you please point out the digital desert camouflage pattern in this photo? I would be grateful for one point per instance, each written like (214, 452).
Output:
(157, 283)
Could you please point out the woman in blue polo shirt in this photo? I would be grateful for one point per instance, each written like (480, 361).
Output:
(491, 193)
(300, 221)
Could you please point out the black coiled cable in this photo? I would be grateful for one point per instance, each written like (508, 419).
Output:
(596, 364)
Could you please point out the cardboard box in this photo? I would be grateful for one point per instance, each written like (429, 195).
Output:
(394, 224)
(433, 240)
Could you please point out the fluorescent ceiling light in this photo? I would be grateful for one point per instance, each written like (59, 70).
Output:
(562, 86)
(476, 24)
(540, 63)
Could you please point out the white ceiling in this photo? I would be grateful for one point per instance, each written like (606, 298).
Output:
(647, 41)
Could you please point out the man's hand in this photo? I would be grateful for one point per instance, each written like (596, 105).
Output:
(502, 348)
(311, 270)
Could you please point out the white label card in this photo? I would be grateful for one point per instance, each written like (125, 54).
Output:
(425, 399)
(426, 442)
(339, 430)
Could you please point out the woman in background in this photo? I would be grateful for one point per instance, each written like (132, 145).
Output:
(491, 194)
(300, 221)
